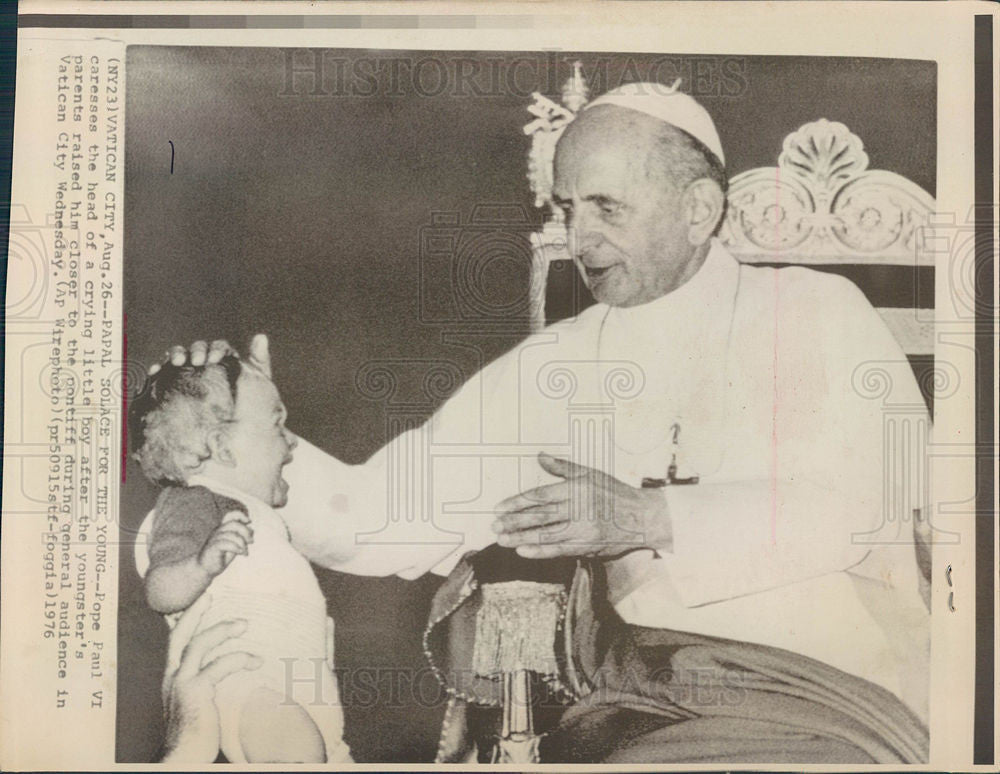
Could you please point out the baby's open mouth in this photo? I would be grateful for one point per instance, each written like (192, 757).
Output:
(596, 272)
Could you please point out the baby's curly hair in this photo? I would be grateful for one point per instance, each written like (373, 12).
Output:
(170, 420)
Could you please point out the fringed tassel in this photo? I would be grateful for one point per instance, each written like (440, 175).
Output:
(516, 628)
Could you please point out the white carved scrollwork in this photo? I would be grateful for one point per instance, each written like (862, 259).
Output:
(551, 119)
(775, 218)
(545, 130)
(825, 155)
(822, 204)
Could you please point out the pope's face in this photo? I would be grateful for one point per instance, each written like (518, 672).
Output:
(627, 230)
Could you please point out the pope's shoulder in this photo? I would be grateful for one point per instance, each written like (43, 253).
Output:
(566, 335)
(799, 290)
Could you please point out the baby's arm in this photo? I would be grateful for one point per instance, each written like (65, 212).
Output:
(173, 586)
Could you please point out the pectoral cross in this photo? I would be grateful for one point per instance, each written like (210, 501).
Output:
(672, 478)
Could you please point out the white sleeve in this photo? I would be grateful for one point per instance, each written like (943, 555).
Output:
(416, 505)
(830, 491)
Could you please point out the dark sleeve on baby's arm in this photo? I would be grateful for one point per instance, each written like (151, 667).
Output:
(185, 518)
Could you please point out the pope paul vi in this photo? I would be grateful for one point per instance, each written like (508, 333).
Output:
(737, 379)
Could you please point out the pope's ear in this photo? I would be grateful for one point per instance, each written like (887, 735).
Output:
(220, 447)
(704, 205)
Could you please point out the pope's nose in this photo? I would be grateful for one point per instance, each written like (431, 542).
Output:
(582, 242)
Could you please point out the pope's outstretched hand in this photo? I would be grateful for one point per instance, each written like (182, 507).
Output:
(588, 513)
(202, 353)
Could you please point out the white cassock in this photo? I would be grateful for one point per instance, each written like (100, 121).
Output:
(798, 534)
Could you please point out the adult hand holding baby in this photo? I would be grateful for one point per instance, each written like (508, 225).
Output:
(189, 682)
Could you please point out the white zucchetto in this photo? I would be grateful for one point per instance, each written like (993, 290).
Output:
(668, 105)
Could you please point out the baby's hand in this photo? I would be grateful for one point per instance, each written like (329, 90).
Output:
(233, 536)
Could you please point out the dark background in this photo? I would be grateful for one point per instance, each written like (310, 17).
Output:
(301, 206)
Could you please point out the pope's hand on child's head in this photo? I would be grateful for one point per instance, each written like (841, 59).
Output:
(202, 353)
(233, 536)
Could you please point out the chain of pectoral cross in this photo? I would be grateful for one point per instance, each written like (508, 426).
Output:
(672, 477)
